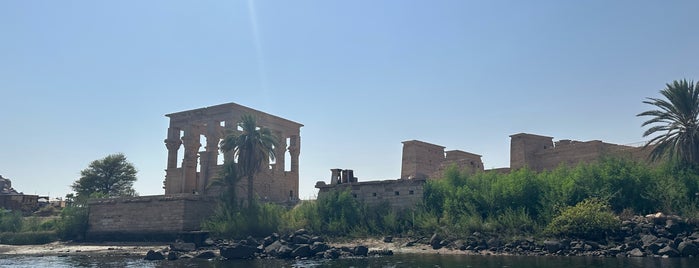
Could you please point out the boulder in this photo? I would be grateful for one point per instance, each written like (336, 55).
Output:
(206, 255)
(388, 239)
(182, 246)
(648, 240)
(238, 251)
(300, 232)
(332, 253)
(552, 246)
(171, 256)
(668, 251)
(272, 248)
(687, 249)
(153, 255)
(435, 241)
(636, 253)
(384, 252)
(301, 239)
(319, 247)
(317, 239)
(284, 252)
(361, 250)
(303, 251)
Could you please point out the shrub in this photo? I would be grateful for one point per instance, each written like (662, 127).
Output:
(590, 219)
(28, 238)
(10, 221)
(72, 224)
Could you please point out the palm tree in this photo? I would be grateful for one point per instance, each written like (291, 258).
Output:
(677, 121)
(252, 148)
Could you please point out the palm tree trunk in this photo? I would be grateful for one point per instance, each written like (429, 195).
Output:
(250, 197)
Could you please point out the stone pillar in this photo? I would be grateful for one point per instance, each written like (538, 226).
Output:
(280, 151)
(172, 143)
(335, 176)
(209, 157)
(189, 163)
(295, 150)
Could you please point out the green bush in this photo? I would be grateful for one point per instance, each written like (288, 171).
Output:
(10, 221)
(590, 219)
(28, 238)
(234, 222)
(72, 223)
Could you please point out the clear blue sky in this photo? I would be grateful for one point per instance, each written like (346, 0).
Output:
(83, 79)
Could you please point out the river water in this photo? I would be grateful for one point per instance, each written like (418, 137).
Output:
(400, 260)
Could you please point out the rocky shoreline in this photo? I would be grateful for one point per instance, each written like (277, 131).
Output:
(655, 235)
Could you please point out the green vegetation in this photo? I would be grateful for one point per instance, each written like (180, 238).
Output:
(590, 219)
(252, 147)
(677, 121)
(579, 201)
(111, 176)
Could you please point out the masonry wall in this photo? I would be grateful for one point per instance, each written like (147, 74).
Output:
(541, 153)
(147, 216)
(399, 194)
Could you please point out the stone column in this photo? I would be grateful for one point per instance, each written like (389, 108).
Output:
(172, 143)
(189, 163)
(295, 150)
(280, 151)
(209, 158)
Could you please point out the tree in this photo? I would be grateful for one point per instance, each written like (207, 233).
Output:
(111, 176)
(252, 147)
(677, 121)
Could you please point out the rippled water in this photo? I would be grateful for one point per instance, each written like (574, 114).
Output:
(401, 260)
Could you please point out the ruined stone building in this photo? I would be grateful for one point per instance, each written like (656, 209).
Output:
(193, 162)
(425, 160)
(192, 129)
(542, 153)
(422, 161)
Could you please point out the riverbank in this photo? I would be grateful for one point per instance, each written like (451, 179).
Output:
(90, 249)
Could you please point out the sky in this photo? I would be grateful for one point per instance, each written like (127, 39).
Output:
(80, 80)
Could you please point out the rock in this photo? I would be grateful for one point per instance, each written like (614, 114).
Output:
(303, 251)
(153, 255)
(384, 252)
(182, 246)
(284, 252)
(361, 250)
(272, 248)
(648, 240)
(668, 251)
(332, 253)
(636, 253)
(209, 242)
(435, 241)
(552, 246)
(319, 247)
(388, 239)
(655, 247)
(317, 239)
(171, 256)
(301, 239)
(206, 255)
(301, 232)
(238, 251)
(687, 249)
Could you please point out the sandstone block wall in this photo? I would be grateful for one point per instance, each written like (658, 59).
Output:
(161, 214)
(399, 194)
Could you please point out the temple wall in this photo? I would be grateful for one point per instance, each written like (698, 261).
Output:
(147, 215)
(399, 194)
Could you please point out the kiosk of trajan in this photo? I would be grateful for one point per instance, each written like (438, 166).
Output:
(193, 162)
(191, 130)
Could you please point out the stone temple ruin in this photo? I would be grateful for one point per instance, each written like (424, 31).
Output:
(206, 127)
(422, 161)
(188, 199)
